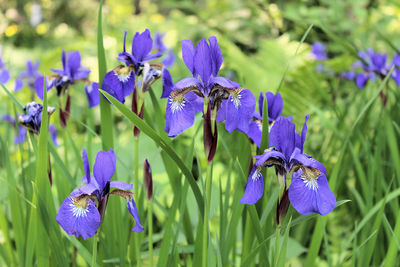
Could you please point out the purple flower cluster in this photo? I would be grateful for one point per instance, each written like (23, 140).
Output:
(82, 212)
(372, 66)
(31, 75)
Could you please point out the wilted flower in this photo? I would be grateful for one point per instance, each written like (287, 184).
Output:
(82, 212)
(309, 191)
(275, 107)
(148, 179)
(32, 119)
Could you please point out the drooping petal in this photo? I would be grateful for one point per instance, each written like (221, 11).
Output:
(8, 118)
(255, 131)
(78, 219)
(141, 45)
(180, 113)
(188, 54)
(104, 167)
(282, 136)
(19, 84)
(87, 189)
(239, 109)
(270, 157)
(202, 61)
(81, 73)
(254, 187)
(216, 55)
(127, 58)
(186, 83)
(167, 82)
(306, 161)
(113, 85)
(311, 196)
(121, 185)
(92, 94)
(134, 212)
(39, 84)
(361, 80)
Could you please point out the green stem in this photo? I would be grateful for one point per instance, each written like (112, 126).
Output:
(136, 188)
(150, 218)
(94, 253)
(277, 237)
(206, 210)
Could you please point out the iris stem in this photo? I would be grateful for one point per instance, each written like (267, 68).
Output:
(150, 218)
(206, 214)
(277, 237)
(136, 188)
(94, 253)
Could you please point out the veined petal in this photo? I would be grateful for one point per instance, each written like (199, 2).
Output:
(254, 187)
(239, 109)
(121, 185)
(311, 195)
(134, 212)
(79, 217)
(188, 54)
(104, 167)
(180, 114)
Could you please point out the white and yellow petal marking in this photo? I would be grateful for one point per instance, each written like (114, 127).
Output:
(310, 178)
(123, 74)
(257, 174)
(236, 96)
(79, 206)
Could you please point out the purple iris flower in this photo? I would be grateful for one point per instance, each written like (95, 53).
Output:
(309, 191)
(30, 74)
(81, 213)
(275, 107)
(92, 94)
(396, 76)
(228, 102)
(349, 75)
(4, 73)
(318, 51)
(158, 45)
(72, 72)
(120, 82)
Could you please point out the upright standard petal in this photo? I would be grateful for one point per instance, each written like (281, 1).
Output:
(86, 167)
(73, 64)
(282, 136)
(141, 45)
(254, 187)
(238, 110)
(134, 212)
(104, 167)
(180, 113)
(188, 54)
(79, 216)
(311, 195)
(275, 105)
(19, 84)
(202, 61)
(216, 55)
(92, 94)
